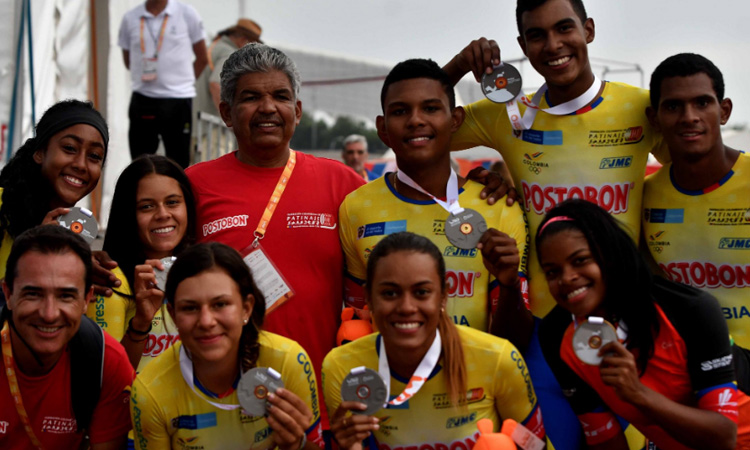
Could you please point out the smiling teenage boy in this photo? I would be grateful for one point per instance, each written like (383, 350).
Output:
(596, 150)
(419, 117)
(695, 219)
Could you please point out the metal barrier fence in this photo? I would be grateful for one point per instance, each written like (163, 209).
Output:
(213, 138)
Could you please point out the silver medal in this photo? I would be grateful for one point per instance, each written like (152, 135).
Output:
(365, 386)
(465, 229)
(591, 336)
(161, 275)
(80, 221)
(254, 387)
(503, 84)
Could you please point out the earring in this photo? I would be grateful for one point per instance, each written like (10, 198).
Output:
(245, 321)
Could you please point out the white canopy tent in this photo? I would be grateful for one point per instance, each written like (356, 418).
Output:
(70, 51)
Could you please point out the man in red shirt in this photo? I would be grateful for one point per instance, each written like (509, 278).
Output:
(68, 378)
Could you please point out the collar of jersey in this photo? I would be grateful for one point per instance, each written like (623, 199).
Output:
(396, 376)
(711, 188)
(213, 394)
(584, 109)
(405, 199)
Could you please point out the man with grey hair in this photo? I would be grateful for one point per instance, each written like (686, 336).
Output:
(355, 155)
(278, 207)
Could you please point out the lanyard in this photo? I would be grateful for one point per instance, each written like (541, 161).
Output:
(425, 368)
(525, 121)
(161, 35)
(451, 191)
(265, 219)
(186, 367)
(13, 384)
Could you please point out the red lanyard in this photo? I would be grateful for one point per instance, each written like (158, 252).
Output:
(10, 371)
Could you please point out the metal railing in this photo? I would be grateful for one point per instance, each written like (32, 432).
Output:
(213, 138)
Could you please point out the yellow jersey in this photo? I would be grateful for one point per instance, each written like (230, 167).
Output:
(702, 238)
(376, 210)
(498, 383)
(598, 153)
(167, 413)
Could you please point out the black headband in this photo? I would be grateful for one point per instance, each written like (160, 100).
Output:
(56, 120)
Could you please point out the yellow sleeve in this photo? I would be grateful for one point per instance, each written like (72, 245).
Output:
(483, 120)
(514, 394)
(332, 379)
(300, 379)
(354, 266)
(113, 313)
(150, 427)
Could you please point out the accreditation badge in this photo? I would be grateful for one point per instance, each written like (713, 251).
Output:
(267, 277)
(149, 69)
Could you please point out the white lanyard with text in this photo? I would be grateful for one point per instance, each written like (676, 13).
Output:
(525, 122)
(420, 376)
(186, 367)
(451, 191)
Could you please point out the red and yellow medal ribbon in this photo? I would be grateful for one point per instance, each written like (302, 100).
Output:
(10, 371)
(265, 219)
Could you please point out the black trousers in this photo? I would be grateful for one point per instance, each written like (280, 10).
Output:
(170, 118)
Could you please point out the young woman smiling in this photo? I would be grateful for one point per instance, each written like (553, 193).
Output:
(52, 171)
(455, 375)
(190, 393)
(152, 217)
(672, 375)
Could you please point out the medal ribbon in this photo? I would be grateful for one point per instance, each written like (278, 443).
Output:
(265, 219)
(525, 121)
(451, 191)
(161, 35)
(425, 368)
(186, 367)
(13, 384)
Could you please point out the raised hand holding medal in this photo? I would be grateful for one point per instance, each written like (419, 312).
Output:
(463, 227)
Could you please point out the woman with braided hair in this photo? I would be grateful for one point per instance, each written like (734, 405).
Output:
(52, 171)
(189, 393)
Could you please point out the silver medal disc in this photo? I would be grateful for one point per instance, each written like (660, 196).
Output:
(365, 386)
(503, 84)
(254, 387)
(589, 337)
(161, 275)
(80, 221)
(465, 229)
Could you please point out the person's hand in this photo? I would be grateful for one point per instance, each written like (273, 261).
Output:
(619, 371)
(478, 57)
(148, 298)
(51, 217)
(101, 273)
(351, 429)
(500, 256)
(495, 186)
(289, 418)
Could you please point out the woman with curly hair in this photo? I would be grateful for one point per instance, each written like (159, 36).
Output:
(52, 171)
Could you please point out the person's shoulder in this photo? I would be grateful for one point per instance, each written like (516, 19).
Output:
(658, 178)
(117, 368)
(134, 13)
(371, 190)
(474, 340)
(164, 365)
(328, 169)
(356, 348)
(625, 92)
(679, 300)
(206, 168)
(278, 343)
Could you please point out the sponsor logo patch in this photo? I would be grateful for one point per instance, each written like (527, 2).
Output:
(611, 138)
(734, 243)
(311, 220)
(729, 216)
(616, 163)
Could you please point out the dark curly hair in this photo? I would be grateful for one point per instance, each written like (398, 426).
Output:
(627, 279)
